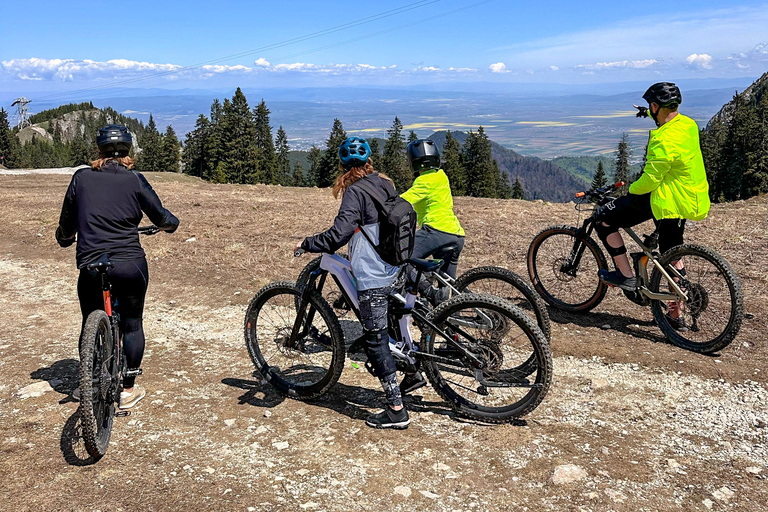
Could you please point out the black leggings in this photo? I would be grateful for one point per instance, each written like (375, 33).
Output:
(129, 287)
(373, 315)
(631, 210)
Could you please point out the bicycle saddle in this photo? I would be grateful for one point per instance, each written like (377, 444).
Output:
(425, 265)
(102, 262)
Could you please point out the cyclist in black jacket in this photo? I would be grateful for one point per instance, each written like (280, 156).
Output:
(102, 208)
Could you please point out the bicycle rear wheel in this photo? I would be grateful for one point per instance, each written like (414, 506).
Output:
(310, 366)
(715, 307)
(576, 290)
(98, 376)
(503, 337)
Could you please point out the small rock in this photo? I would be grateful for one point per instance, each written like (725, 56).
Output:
(260, 430)
(302, 472)
(230, 422)
(673, 464)
(441, 467)
(193, 239)
(39, 235)
(592, 495)
(568, 473)
(604, 450)
(606, 327)
(753, 470)
(749, 316)
(280, 445)
(760, 423)
(310, 505)
(707, 503)
(723, 494)
(430, 495)
(598, 383)
(403, 491)
(267, 414)
(616, 496)
(37, 389)
(209, 470)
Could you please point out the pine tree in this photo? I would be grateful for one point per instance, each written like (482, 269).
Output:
(394, 162)
(412, 136)
(375, 151)
(170, 151)
(482, 174)
(79, 151)
(599, 180)
(452, 165)
(9, 144)
(195, 153)
(517, 189)
(315, 158)
(621, 163)
(150, 158)
(297, 180)
(219, 175)
(329, 164)
(268, 172)
(238, 140)
(283, 175)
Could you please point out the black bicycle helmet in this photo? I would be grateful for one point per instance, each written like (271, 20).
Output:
(114, 140)
(664, 94)
(423, 154)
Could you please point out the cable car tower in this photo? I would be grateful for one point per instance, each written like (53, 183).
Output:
(21, 111)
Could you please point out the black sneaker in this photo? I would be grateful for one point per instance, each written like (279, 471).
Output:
(616, 278)
(412, 382)
(389, 418)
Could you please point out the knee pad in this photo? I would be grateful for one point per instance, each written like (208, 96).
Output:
(603, 232)
(376, 348)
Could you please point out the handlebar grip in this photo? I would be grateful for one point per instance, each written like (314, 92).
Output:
(619, 184)
(298, 253)
(580, 194)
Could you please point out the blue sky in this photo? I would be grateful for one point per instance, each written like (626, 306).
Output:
(78, 44)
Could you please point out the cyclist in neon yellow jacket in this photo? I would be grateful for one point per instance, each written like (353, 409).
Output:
(441, 235)
(672, 188)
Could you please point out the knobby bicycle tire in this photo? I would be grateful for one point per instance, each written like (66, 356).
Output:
(540, 345)
(336, 339)
(736, 298)
(96, 434)
(548, 295)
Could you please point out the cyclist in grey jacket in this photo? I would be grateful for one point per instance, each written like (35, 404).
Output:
(374, 277)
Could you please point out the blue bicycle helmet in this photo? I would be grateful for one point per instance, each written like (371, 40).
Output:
(354, 152)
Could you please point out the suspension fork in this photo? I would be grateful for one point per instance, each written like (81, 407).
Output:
(574, 259)
(297, 330)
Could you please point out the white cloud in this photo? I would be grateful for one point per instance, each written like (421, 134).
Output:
(262, 62)
(554, 68)
(226, 69)
(702, 61)
(633, 64)
(498, 67)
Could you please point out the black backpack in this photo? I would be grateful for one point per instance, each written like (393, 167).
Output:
(397, 224)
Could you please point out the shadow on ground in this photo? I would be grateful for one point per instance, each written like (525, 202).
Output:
(62, 375)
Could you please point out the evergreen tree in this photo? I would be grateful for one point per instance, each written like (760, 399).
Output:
(412, 136)
(150, 158)
(452, 165)
(517, 189)
(237, 134)
(394, 162)
(219, 175)
(297, 180)
(599, 180)
(195, 153)
(315, 158)
(9, 144)
(329, 164)
(621, 163)
(482, 173)
(283, 163)
(375, 151)
(170, 151)
(268, 172)
(79, 151)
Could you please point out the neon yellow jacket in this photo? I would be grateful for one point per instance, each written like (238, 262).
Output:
(431, 198)
(674, 172)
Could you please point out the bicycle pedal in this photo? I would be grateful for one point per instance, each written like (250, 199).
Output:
(133, 373)
(122, 414)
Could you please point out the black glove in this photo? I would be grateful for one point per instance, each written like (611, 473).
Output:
(641, 111)
(64, 242)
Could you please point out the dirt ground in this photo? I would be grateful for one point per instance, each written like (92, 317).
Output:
(653, 427)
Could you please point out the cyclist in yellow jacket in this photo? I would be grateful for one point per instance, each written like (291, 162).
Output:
(672, 188)
(441, 235)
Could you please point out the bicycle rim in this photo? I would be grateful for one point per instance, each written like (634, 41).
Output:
(97, 400)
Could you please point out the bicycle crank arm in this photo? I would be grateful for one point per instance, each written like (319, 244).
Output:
(525, 383)
(122, 414)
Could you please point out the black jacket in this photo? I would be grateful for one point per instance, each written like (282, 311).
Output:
(104, 207)
(357, 208)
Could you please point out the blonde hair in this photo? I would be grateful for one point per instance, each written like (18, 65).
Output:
(125, 161)
(355, 173)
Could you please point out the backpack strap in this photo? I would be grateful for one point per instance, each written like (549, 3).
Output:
(378, 198)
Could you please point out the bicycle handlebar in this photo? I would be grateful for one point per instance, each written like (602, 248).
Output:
(298, 253)
(601, 192)
(148, 230)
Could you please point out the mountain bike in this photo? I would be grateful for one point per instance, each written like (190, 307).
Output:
(490, 280)
(475, 349)
(563, 263)
(102, 364)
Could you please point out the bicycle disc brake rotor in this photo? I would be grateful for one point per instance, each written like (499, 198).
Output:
(500, 325)
(557, 270)
(281, 339)
(698, 299)
(491, 354)
(105, 381)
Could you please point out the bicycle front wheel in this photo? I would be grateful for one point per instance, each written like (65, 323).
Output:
(502, 337)
(330, 290)
(310, 365)
(576, 289)
(98, 376)
(713, 313)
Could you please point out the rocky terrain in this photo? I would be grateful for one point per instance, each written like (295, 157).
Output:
(630, 423)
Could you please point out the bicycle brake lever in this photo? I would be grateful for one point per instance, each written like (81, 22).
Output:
(641, 111)
(298, 253)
